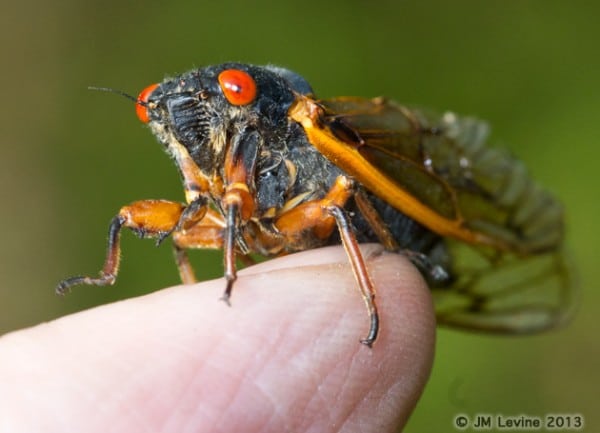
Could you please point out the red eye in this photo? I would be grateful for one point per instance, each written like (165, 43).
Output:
(238, 86)
(140, 109)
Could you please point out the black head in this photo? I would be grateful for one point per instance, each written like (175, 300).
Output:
(201, 108)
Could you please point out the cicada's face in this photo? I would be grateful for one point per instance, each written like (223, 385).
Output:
(202, 109)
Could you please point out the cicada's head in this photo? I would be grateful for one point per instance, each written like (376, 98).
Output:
(202, 109)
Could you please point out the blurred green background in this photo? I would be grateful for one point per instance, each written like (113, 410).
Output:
(71, 157)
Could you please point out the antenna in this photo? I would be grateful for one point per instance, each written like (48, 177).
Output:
(118, 92)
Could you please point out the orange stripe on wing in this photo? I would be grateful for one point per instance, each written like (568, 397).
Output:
(306, 112)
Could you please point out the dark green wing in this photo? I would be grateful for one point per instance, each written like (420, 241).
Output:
(444, 162)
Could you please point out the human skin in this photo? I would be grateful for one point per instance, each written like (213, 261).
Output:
(285, 357)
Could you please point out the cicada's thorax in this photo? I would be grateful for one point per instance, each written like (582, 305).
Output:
(289, 173)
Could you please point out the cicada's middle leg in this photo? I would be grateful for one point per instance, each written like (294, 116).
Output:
(322, 216)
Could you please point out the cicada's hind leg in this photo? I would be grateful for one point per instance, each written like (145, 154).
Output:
(148, 218)
(374, 220)
(434, 272)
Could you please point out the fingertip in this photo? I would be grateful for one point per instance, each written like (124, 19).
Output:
(285, 356)
(326, 321)
(408, 334)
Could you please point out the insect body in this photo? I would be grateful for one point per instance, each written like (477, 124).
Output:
(269, 169)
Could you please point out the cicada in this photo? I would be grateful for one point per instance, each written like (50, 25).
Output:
(270, 169)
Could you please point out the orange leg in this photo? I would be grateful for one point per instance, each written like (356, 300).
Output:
(238, 200)
(109, 272)
(186, 271)
(374, 219)
(321, 216)
(148, 218)
(313, 214)
(359, 269)
(206, 233)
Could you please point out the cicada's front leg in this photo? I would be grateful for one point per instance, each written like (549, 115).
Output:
(147, 218)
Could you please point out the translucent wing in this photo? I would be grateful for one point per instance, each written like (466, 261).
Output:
(444, 163)
(509, 272)
(512, 294)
